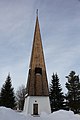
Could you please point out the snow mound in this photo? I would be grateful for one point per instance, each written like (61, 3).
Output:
(63, 115)
(9, 114)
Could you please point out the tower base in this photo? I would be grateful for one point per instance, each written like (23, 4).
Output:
(34, 105)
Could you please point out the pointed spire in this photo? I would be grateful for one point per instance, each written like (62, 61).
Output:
(37, 57)
(37, 83)
(37, 49)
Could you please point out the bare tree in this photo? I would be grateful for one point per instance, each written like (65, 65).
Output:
(20, 97)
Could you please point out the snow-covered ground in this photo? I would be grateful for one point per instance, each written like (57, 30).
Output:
(8, 114)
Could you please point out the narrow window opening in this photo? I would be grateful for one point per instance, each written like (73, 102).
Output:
(38, 70)
(35, 109)
(29, 71)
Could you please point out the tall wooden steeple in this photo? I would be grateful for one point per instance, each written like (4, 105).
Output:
(37, 78)
(37, 84)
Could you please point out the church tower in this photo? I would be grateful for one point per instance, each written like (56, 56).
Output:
(37, 97)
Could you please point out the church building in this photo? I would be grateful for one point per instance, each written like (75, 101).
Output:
(37, 97)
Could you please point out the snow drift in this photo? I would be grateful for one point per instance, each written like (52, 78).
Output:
(9, 114)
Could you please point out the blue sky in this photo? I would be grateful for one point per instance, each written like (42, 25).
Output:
(60, 30)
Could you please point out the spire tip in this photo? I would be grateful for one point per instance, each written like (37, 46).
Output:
(37, 12)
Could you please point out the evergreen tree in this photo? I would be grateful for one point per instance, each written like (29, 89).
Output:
(56, 94)
(73, 95)
(7, 94)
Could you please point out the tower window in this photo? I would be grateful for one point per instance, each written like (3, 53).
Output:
(29, 71)
(38, 70)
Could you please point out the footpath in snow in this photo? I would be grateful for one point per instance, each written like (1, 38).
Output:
(9, 114)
